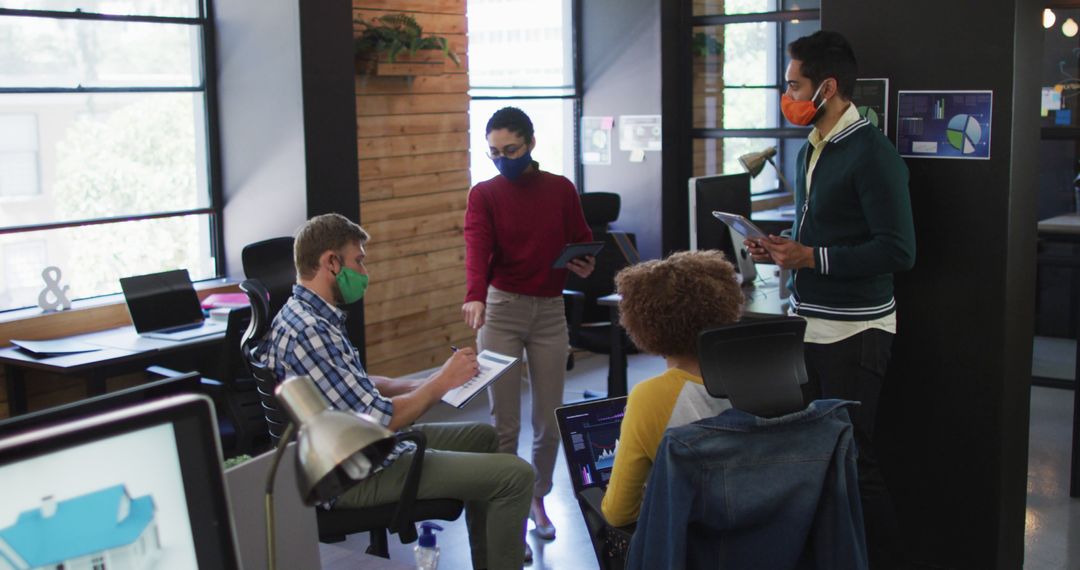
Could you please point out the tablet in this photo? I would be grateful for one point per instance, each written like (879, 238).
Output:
(741, 225)
(575, 250)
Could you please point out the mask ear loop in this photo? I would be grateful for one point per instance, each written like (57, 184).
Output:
(818, 92)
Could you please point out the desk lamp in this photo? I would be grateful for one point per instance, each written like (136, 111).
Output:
(754, 163)
(335, 449)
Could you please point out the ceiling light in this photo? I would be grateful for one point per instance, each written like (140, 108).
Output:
(1069, 28)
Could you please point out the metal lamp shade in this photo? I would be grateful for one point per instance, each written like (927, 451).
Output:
(754, 162)
(335, 449)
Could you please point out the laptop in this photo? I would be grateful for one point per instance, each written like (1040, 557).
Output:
(590, 434)
(164, 306)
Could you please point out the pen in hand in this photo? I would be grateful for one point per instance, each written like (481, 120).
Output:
(453, 348)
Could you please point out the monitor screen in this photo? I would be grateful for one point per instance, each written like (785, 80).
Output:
(590, 432)
(161, 300)
(139, 487)
(725, 193)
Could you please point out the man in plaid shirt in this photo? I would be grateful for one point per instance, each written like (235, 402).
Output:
(308, 338)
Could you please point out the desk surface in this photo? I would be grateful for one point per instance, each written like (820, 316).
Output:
(761, 300)
(1063, 224)
(116, 346)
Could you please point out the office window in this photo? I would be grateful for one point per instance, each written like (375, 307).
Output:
(739, 59)
(521, 55)
(18, 155)
(105, 140)
(22, 263)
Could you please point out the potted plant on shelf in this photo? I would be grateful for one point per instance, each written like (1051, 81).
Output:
(390, 45)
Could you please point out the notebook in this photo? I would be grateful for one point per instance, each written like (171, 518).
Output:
(492, 366)
(164, 306)
(590, 434)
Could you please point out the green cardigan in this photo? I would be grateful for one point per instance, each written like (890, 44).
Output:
(858, 221)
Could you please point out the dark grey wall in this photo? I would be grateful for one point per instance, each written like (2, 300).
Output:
(261, 122)
(954, 420)
(621, 76)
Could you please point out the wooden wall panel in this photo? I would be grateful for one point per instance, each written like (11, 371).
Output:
(424, 6)
(413, 145)
(415, 185)
(390, 125)
(432, 23)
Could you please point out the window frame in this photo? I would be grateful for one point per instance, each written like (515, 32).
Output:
(576, 95)
(785, 135)
(207, 87)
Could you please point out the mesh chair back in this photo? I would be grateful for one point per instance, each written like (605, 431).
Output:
(758, 364)
(265, 381)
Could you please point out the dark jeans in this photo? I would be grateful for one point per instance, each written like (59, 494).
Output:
(854, 369)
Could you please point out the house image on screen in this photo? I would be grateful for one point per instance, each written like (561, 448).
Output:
(102, 530)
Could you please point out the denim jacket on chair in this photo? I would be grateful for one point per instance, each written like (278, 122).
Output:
(738, 491)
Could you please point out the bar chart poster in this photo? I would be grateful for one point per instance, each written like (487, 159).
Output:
(944, 124)
(871, 99)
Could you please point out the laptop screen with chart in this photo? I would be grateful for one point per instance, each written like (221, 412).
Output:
(590, 433)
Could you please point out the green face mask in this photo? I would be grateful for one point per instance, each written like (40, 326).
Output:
(352, 285)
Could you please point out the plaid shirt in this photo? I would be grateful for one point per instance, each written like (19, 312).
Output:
(307, 338)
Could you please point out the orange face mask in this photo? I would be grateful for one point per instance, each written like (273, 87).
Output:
(801, 112)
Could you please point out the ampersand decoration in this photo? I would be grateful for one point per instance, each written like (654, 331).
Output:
(51, 275)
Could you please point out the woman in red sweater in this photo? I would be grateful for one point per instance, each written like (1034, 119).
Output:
(516, 224)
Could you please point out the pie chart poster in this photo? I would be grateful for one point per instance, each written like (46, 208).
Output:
(944, 124)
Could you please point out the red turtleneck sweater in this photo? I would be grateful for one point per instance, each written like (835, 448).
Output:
(515, 230)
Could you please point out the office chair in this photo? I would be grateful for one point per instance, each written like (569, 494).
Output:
(758, 364)
(768, 483)
(228, 384)
(589, 323)
(271, 262)
(335, 524)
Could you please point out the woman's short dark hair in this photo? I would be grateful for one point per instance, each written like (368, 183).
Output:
(826, 54)
(512, 119)
(666, 304)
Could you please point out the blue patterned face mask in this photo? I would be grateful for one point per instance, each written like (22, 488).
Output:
(511, 168)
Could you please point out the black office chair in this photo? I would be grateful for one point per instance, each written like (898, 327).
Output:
(589, 323)
(228, 384)
(758, 364)
(271, 262)
(335, 524)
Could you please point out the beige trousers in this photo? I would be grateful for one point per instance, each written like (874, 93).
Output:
(514, 324)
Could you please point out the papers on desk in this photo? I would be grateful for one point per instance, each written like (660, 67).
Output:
(54, 347)
(492, 366)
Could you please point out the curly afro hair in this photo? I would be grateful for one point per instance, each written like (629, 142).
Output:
(666, 304)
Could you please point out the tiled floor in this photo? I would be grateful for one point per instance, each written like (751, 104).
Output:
(1052, 540)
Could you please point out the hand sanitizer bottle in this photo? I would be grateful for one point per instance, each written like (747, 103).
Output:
(427, 552)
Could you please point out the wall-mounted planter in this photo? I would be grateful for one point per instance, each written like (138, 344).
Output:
(426, 62)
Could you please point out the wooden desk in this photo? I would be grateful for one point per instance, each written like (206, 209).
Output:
(1066, 229)
(121, 351)
(761, 301)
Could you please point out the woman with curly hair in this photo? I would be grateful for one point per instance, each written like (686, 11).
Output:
(665, 305)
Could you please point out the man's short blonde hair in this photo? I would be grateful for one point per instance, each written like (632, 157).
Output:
(328, 232)
(666, 304)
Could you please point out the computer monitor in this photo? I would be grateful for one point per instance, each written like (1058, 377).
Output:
(187, 383)
(725, 193)
(137, 487)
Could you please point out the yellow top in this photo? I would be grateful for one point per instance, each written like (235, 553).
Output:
(671, 399)
(824, 331)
